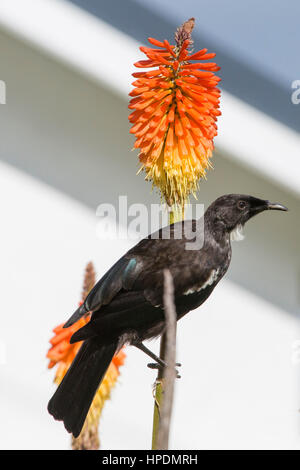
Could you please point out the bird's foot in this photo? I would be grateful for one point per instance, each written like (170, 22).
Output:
(159, 363)
(162, 365)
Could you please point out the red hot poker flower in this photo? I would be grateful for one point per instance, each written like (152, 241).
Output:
(175, 112)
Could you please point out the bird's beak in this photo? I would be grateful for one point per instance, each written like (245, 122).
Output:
(275, 206)
(264, 206)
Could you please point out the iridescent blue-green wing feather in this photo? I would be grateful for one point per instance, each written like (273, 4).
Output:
(120, 276)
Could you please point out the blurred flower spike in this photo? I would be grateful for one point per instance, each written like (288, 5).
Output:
(62, 353)
(175, 112)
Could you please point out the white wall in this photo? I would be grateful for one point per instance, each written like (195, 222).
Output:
(65, 148)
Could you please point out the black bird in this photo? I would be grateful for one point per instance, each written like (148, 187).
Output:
(127, 306)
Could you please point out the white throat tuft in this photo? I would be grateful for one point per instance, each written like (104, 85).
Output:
(237, 234)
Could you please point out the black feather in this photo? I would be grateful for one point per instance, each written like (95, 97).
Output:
(127, 304)
(73, 397)
(128, 312)
(120, 275)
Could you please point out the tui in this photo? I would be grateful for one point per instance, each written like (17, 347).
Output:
(127, 306)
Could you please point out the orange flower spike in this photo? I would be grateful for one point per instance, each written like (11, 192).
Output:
(175, 107)
(62, 353)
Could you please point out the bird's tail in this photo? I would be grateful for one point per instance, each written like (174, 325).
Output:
(73, 397)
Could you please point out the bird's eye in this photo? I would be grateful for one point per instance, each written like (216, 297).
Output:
(241, 205)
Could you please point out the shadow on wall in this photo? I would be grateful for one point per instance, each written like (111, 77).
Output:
(74, 136)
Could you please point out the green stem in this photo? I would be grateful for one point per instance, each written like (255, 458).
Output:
(176, 214)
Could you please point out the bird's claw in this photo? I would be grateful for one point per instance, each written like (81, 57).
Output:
(155, 365)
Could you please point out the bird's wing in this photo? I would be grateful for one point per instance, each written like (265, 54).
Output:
(130, 296)
(120, 276)
(128, 311)
(141, 269)
(140, 308)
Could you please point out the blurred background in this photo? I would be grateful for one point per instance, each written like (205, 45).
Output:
(65, 148)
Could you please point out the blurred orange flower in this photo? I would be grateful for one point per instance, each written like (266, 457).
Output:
(62, 353)
(175, 112)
